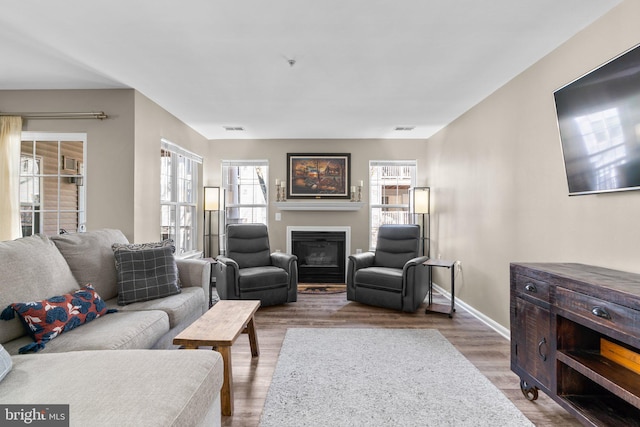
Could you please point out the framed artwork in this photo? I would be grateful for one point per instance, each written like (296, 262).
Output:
(318, 176)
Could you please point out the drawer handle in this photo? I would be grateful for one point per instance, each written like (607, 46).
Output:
(540, 344)
(531, 288)
(601, 312)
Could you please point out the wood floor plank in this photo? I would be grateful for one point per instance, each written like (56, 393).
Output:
(485, 348)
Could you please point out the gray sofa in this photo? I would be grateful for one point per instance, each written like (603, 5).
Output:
(132, 386)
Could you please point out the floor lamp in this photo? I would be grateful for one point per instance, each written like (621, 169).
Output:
(211, 205)
(421, 206)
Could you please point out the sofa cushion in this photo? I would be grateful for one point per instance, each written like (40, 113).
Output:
(31, 269)
(117, 331)
(145, 271)
(133, 388)
(179, 307)
(46, 319)
(5, 362)
(91, 259)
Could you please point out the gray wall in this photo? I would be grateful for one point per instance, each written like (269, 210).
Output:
(500, 192)
(276, 152)
(122, 151)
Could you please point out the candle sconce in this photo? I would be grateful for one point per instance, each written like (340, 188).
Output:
(281, 190)
(358, 197)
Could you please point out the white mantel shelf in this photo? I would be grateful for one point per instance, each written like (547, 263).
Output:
(318, 205)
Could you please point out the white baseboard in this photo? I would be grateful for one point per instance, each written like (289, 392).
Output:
(504, 332)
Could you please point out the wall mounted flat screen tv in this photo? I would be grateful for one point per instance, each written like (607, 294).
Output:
(599, 123)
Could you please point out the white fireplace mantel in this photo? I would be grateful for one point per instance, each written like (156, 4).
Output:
(318, 205)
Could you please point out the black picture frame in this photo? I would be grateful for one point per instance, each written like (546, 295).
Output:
(318, 175)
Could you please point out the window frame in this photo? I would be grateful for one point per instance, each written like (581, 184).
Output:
(179, 197)
(375, 192)
(59, 138)
(233, 205)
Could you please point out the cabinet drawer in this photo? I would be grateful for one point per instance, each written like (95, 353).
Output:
(595, 310)
(532, 287)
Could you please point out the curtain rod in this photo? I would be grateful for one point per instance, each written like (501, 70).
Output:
(53, 116)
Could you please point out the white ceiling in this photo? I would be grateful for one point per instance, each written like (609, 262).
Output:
(362, 67)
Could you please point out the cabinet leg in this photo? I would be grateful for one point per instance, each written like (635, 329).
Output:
(529, 391)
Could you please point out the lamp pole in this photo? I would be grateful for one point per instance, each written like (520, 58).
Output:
(421, 205)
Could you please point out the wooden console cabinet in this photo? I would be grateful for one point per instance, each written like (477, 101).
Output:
(560, 313)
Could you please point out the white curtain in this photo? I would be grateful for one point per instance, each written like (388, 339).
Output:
(10, 131)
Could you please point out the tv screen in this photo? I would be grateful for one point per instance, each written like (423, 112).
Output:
(599, 123)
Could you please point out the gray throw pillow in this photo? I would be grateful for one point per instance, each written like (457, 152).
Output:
(145, 271)
(5, 362)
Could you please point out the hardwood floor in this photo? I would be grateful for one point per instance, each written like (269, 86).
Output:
(485, 348)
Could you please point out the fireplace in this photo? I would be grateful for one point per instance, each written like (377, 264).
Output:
(321, 254)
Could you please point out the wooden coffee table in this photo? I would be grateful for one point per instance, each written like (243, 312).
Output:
(219, 327)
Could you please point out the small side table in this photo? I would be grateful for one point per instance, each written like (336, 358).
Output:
(212, 279)
(450, 265)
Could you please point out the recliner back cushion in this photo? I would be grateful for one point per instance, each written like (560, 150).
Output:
(248, 245)
(396, 245)
(91, 258)
(31, 269)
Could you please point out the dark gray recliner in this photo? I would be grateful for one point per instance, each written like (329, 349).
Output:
(392, 277)
(250, 271)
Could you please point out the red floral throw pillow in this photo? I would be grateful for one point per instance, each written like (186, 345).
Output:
(44, 320)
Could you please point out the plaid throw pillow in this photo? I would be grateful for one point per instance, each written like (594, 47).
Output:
(145, 271)
(44, 320)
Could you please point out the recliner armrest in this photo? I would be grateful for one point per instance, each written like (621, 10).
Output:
(227, 261)
(226, 271)
(412, 275)
(283, 260)
(415, 261)
(362, 260)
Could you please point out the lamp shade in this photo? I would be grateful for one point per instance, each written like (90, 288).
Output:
(211, 198)
(421, 200)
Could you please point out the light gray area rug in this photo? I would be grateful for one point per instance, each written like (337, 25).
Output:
(380, 377)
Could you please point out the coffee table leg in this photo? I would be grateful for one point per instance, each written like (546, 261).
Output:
(226, 394)
(253, 338)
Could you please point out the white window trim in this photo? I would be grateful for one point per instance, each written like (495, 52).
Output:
(66, 136)
(256, 162)
(372, 205)
(167, 145)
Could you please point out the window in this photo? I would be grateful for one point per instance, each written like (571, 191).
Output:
(246, 190)
(389, 185)
(179, 196)
(52, 178)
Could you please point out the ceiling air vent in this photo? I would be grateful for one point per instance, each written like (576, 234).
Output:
(404, 128)
(234, 128)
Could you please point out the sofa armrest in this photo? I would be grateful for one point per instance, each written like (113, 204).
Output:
(194, 273)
